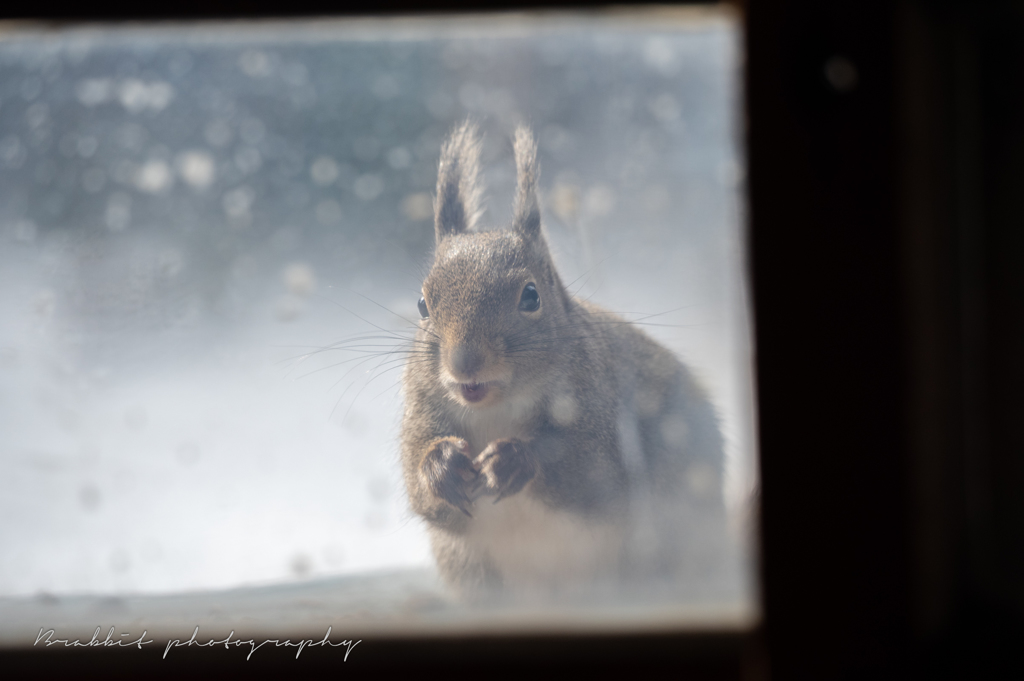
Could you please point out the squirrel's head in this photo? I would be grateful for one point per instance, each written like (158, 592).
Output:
(492, 300)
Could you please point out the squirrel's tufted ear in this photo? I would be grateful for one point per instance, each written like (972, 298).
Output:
(526, 216)
(457, 207)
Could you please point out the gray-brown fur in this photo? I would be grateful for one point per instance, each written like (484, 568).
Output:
(588, 431)
(458, 183)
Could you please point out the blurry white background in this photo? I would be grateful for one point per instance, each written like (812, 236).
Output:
(185, 211)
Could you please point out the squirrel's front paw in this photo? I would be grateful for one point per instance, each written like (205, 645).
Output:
(506, 465)
(449, 473)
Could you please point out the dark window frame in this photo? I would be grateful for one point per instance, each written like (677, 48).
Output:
(888, 288)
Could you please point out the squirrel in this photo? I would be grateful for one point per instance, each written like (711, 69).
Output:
(546, 441)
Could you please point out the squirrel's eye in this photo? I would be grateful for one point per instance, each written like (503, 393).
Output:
(530, 300)
(423, 308)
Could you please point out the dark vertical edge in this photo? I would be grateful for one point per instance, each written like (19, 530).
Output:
(827, 273)
(1001, 88)
(927, 228)
(961, 105)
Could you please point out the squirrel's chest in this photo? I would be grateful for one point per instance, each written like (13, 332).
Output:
(533, 545)
(502, 422)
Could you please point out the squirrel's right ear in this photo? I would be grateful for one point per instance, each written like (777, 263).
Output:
(526, 211)
(457, 207)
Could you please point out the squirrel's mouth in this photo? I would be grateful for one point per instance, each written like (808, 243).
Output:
(473, 392)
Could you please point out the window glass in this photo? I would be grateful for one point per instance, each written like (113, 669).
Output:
(212, 244)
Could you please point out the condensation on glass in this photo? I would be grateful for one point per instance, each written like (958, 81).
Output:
(187, 213)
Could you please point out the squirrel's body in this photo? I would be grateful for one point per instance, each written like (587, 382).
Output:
(546, 441)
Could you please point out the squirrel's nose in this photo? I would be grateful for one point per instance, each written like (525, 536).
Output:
(465, 361)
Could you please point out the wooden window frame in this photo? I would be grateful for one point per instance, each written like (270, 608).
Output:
(888, 295)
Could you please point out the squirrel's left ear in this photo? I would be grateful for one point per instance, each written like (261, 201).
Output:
(526, 215)
(457, 206)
